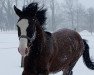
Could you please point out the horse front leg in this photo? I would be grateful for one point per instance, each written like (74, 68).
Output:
(28, 73)
(43, 72)
(29, 68)
(39, 72)
(68, 72)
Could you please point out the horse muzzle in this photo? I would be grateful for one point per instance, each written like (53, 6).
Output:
(23, 51)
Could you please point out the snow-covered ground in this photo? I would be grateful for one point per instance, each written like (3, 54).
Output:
(10, 59)
(9, 56)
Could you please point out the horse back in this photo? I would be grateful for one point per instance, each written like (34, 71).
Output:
(69, 47)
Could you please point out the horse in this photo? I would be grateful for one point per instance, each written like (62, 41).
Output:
(48, 52)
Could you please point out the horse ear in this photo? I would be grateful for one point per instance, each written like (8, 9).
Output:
(17, 11)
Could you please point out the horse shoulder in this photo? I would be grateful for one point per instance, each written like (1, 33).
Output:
(48, 33)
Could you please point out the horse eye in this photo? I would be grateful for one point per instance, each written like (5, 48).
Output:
(19, 31)
(33, 19)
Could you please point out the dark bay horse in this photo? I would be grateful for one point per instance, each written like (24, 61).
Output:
(46, 52)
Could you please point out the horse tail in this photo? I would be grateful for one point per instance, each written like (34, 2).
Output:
(86, 56)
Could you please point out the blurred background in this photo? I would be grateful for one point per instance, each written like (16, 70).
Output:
(77, 15)
(73, 14)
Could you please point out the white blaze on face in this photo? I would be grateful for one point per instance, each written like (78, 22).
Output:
(23, 24)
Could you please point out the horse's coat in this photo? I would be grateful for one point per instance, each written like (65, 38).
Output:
(49, 52)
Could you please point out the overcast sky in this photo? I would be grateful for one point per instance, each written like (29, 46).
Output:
(87, 3)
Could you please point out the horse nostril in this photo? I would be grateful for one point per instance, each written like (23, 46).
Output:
(18, 50)
(23, 51)
(26, 51)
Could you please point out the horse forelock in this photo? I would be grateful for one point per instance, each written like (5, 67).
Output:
(32, 10)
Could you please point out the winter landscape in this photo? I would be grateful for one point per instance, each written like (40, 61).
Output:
(10, 59)
(72, 14)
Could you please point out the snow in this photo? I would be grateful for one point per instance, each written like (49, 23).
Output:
(10, 59)
(9, 56)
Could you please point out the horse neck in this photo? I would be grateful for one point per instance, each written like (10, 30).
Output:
(40, 35)
(38, 42)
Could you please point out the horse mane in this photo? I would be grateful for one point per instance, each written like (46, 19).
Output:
(32, 10)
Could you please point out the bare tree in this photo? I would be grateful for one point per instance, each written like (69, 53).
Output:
(16, 2)
(79, 13)
(80, 18)
(91, 19)
(53, 14)
(70, 11)
(2, 17)
(10, 23)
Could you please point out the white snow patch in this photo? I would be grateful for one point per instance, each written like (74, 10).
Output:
(10, 59)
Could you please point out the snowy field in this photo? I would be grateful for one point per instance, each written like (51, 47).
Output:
(10, 58)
